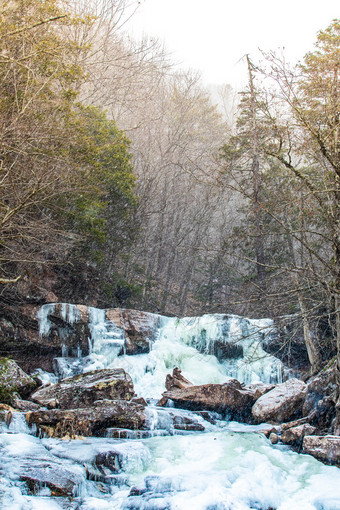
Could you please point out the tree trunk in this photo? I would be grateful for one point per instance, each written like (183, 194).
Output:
(312, 349)
(255, 171)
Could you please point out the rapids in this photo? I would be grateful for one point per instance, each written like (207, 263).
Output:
(229, 466)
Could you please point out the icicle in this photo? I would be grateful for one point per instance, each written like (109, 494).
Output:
(44, 322)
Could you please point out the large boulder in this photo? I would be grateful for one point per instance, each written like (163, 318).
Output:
(58, 478)
(230, 397)
(282, 403)
(325, 448)
(13, 381)
(88, 421)
(84, 389)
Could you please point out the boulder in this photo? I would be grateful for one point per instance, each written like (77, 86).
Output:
(260, 388)
(60, 480)
(187, 423)
(176, 380)
(104, 467)
(230, 397)
(281, 403)
(273, 438)
(5, 415)
(139, 400)
(88, 421)
(294, 435)
(25, 405)
(319, 386)
(325, 448)
(323, 414)
(111, 460)
(13, 380)
(84, 389)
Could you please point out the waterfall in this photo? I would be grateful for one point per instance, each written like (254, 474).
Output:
(208, 349)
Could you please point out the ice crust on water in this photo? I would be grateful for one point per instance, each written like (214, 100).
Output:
(229, 466)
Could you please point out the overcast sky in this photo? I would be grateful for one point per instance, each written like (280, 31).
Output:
(212, 36)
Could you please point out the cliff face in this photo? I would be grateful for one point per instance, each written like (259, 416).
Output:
(33, 335)
(19, 306)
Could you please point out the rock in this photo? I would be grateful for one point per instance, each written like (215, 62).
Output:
(176, 380)
(223, 351)
(267, 430)
(162, 402)
(88, 421)
(282, 402)
(187, 423)
(104, 467)
(325, 448)
(294, 435)
(295, 423)
(169, 419)
(65, 327)
(84, 389)
(110, 459)
(209, 416)
(260, 389)
(5, 416)
(229, 397)
(324, 414)
(31, 290)
(321, 416)
(140, 328)
(324, 382)
(25, 405)
(287, 343)
(273, 438)
(70, 326)
(14, 380)
(6, 407)
(60, 480)
(319, 386)
(139, 400)
(20, 339)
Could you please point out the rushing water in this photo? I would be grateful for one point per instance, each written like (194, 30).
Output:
(229, 466)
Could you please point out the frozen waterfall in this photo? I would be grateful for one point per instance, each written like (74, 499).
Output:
(208, 349)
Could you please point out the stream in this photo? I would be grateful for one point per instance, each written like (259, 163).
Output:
(229, 466)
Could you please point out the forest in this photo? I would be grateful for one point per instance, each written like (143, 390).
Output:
(124, 183)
